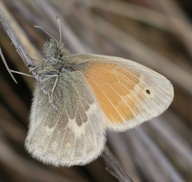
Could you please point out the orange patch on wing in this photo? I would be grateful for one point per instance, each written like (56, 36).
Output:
(113, 86)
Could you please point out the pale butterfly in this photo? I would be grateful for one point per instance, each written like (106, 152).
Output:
(89, 94)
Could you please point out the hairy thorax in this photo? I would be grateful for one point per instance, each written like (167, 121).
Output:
(55, 59)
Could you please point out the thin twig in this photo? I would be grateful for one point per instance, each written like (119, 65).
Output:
(175, 141)
(21, 51)
(120, 147)
(180, 23)
(132, 11)
(114, 167)
(20, 73)
(7, 67)
(158, 156)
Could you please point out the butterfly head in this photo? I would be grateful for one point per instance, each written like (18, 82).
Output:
(54, 54)
(53, 48)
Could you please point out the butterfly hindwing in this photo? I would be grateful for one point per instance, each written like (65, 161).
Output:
(74, 134)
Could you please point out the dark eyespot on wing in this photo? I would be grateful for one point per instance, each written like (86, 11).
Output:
(148, 91)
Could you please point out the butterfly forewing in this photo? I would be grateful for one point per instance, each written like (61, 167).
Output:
(127, 92)
(72, 134)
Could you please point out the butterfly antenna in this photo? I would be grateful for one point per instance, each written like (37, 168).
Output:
(59, 25)
(9, 71)
(41, 28)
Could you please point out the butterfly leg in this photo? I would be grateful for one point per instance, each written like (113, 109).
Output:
(50, 94)
(33, 69)
(54, 85)
(20, 73)
(9, 71)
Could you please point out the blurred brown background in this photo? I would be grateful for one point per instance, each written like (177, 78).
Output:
(155, 33)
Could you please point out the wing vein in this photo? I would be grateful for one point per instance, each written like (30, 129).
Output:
(85, 145)
(95, 140)
(160, 89)
(133, 93)
(136, 86)
(63, 138)
(108, 100)
(84, 153)
(52, 133)
(126, 102)
(73, 151)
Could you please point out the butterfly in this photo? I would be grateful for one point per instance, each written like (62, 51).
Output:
(87, 95)
(91, 94)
